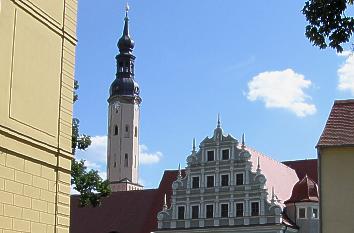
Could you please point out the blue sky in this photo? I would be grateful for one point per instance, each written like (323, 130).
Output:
(247, 60)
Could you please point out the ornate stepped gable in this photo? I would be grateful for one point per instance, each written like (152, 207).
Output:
(220, 189)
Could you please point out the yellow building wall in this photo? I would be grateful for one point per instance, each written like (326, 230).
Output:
(337, 189)
(37, 60)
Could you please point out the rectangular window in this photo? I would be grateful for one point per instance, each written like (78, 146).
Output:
(224, 180)
(224, 210)
(195, 182)
(209, 211)
(180, 212)
(210, 155)
(210, 181)
(314, 213)
(225, 154)
(239, 209)
(302, 213)
(239, 179)
(195, 212)
(254, 209)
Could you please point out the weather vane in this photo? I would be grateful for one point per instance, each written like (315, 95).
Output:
(126, 8)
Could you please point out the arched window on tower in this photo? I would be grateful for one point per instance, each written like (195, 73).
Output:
(126, 133)
(121, 66)
(126, 160)
(136, 131)
(115, 130)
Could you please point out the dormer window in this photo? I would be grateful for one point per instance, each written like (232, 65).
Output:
(225, 154)
(210, 155)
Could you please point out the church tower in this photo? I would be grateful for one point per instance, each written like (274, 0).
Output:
(123, 119)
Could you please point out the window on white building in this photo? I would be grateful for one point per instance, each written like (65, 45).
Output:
(195, 182)
(210, 155)
(209, 211)
(225, 180)
(301, 213)
(239, 209)
(224, 210)
(314, 213)
(254, 208)
(180, 214)
(239, 179)
(210, 181)
(195, 211)
(225, 154)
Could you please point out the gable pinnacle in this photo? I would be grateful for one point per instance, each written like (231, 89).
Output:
(164, 207)
(243, 141)
(193, 145)
(179, 176)
(258, 166)
(218, 120)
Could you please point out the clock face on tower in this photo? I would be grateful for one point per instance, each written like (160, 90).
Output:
(116, 105)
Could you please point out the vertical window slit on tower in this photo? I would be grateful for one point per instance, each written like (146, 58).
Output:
(126, 160)
(116, 130)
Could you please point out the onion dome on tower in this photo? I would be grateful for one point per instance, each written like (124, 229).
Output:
(124, 84)
(304, 190)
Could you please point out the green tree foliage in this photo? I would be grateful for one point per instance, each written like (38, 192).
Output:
(88, 183)
(328, 25)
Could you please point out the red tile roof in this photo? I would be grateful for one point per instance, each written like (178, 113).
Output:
(304, 167)
(278, 175)
(123, 212)
(304, 191)
(339, 129)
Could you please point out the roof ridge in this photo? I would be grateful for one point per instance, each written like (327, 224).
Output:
(345, 101)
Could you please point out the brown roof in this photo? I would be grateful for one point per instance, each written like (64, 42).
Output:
(304, 167)
(339, 129)
(304, 191)
(123, 212)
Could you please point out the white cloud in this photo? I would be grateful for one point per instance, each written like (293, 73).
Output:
(282, 89)
(346, 73)
(96, 152)
(147, 157)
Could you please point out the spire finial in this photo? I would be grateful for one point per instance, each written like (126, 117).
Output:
(218, 120)
(164, 208)
(243, 141)
(126, 9)
(273, 195)
(179, 176)
(258, 165)
(193, 145)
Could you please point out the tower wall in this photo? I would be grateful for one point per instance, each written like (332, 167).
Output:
(123, 147)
